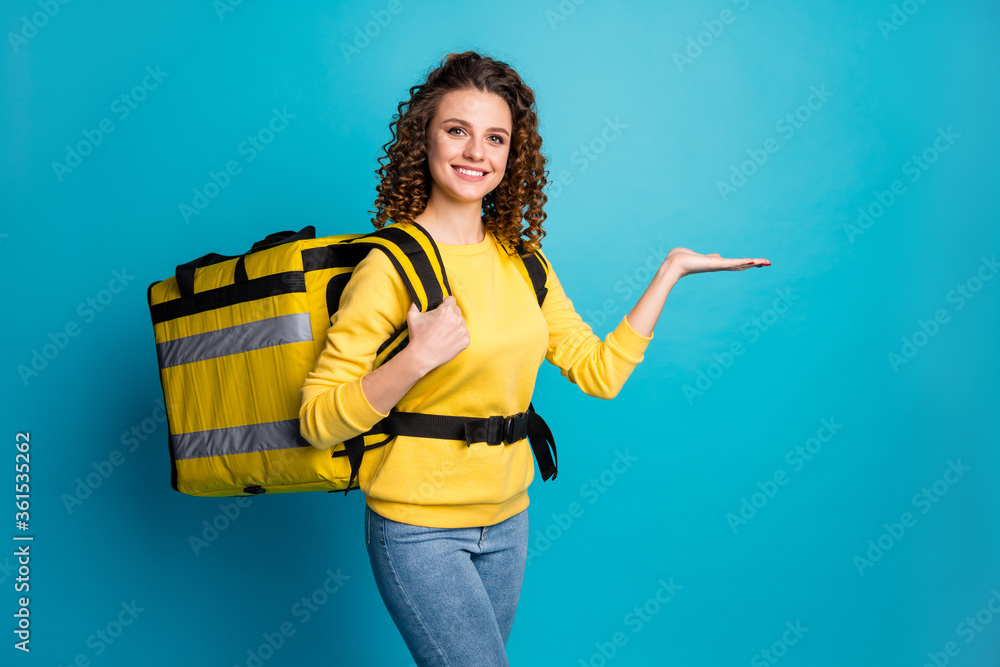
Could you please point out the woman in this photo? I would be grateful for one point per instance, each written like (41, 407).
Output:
(446, 523)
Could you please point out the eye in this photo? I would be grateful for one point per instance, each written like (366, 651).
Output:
(449, 130)
(499, 139)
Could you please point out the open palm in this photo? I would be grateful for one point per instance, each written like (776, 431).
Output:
(684, 261)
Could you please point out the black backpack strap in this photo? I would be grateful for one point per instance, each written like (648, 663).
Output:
(494, 430)
(354, 450)
(533, 267)
(418, 260)
(542, 442)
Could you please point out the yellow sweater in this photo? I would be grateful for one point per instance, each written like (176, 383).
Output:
(447, 483)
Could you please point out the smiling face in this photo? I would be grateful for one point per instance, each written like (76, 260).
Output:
(468, 141)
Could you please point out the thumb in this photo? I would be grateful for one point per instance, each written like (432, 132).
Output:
(413, 312)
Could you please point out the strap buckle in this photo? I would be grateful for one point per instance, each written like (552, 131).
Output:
(515, 428)
(506, 430)
(494, 430)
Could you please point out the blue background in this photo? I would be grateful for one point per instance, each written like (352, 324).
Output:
(817, 328)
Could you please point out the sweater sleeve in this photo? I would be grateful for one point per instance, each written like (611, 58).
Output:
(372, 307)
(599, 368)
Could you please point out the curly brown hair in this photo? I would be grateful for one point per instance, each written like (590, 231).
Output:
(405, 176)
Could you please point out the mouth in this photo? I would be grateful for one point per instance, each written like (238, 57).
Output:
(469, 174)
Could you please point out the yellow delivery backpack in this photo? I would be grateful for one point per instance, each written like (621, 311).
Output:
(236, 337)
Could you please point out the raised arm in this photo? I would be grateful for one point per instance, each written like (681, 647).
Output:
(600, 368)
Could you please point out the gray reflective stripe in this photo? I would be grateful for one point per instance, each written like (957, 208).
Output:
(238, 440)
(294, 328)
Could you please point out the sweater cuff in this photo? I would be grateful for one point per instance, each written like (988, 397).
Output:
(631, 343)
(362, 413)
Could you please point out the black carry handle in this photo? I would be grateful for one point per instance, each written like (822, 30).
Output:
(185, 272)
(284, 237)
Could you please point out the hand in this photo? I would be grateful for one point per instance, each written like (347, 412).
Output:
(682, 262)
(438, 335)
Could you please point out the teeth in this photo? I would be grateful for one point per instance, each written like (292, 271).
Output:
(469, 172)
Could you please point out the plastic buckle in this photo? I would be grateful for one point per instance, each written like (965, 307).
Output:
(515, 428)
(494, 430)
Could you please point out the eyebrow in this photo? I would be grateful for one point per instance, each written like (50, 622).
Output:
(464, 123)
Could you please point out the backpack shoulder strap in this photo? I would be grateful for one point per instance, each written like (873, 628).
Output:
(414, 254)
(416, 257)
(417, 260)
(533, 267)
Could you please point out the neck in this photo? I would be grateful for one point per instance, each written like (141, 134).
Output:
(452, 222)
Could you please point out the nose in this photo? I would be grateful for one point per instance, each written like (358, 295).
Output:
(473, 151)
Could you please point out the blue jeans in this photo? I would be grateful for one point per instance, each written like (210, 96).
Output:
(452, 592)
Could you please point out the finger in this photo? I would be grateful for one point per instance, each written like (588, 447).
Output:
(412, 314)
(447, 306)
(740, 264)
